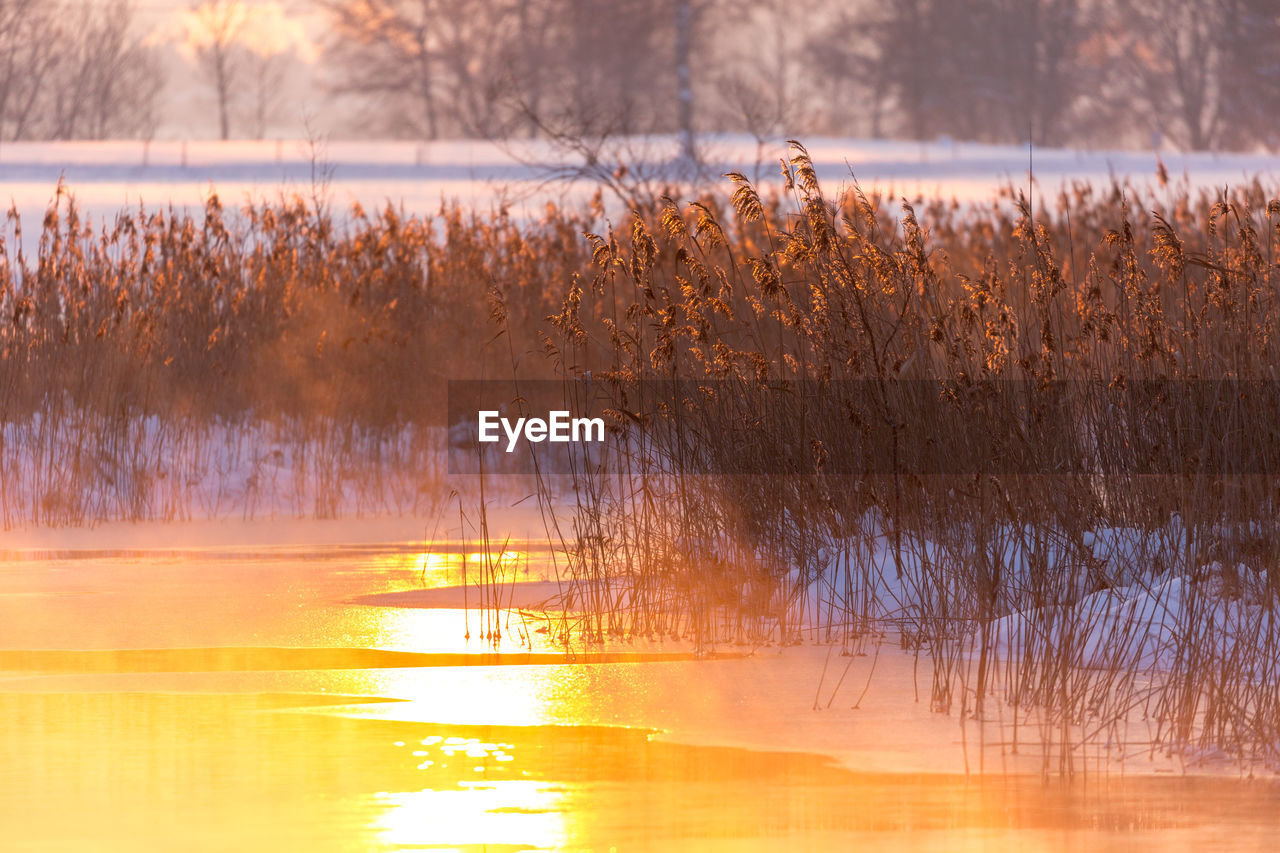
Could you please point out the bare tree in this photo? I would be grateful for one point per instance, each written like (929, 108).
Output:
(108, 81)
(991, 70)
(1033, 75)
(424, 65)
(850, 78)
(1170, 52)
(93, 80)
(1251, 78)
(1203, 75)
(246, 54)
(684, 26)
(214, 33)
(28, 56)
(767, 80)
(535, 22)
(489, 67)
(267, 73)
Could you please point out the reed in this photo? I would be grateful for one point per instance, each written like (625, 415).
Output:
(1038, 449)
(269, 359)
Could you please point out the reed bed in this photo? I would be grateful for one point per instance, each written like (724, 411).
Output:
(1035, 446)
(1038, 447)
(270, 359)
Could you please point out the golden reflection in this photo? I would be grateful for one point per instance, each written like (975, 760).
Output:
(153, 771)
(163, 745)
(448, 568)
(458, 628)
(519, 813)
(483, 695)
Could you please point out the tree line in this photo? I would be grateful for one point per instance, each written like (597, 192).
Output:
(1193, 74)
(75, 71)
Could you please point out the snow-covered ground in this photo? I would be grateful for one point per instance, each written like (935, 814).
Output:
(65, 474)
(108, 176)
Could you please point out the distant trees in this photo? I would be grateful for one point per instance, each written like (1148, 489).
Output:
(1200, 74)
(1204, 74)
(243, 53)
(27, 61)
(1251, 76)
(428, 68)
(1033, 73)
(58, 80)
(1174, 58)
(109, 81)
(991, 70)
(213, 36)
(757, 81)
(996, 70)
(431, 68)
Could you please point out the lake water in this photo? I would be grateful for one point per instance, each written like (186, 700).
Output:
(253, 699)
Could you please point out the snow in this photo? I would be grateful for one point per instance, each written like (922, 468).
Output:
(194, 471)
(106, 177)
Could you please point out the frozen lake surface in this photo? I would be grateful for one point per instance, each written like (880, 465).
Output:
(217, 686)
(519, 175)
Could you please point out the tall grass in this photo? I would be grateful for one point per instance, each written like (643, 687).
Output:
(1038, 449)
(261, 360)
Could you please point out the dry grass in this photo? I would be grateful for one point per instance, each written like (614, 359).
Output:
(266, 360)
(983, 436)
(1040, 453)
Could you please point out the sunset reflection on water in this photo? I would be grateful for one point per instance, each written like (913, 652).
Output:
(251, 732)
(512, 813)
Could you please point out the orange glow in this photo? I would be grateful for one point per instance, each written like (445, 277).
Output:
(518, 813)
(221, 731)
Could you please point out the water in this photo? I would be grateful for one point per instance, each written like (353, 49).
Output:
(266, 727)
